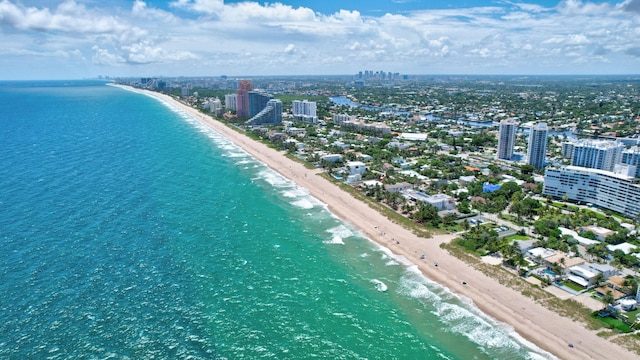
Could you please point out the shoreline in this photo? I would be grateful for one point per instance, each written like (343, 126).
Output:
(536, 324)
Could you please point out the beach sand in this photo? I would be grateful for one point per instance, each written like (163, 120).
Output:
(533, 322)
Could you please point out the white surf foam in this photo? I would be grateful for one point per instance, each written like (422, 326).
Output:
(303, 204)
(459, 315)
(335, 240)
(341, 230)
(295, 192)
(339, 233)
(380, 286)
(274, 179)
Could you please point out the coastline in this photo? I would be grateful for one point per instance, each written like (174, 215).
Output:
(533, 322)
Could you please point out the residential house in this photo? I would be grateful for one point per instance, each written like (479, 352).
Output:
(600, 232)
(615, 285)
(586, 274)
(356, 167)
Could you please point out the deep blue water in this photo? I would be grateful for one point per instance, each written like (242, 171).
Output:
(128, 230)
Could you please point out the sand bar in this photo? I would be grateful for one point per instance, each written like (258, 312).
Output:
(537, 324)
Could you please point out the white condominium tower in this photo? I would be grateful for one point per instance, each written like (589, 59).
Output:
(617, 192)
(536, 153)
(231, 101)
(304, 110)
(597, 154)
(631, 156)
(507, 138)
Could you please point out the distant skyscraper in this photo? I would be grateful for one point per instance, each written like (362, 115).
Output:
(507, 138)
(536, 153)
(242, 100)
(597, 154)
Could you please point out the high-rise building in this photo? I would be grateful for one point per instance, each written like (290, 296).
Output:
(507, 138)
(606, 189)
(242, 98)
(567, 149)
(537, 151)
(631, 156)
(597, 154)
(342, 118)
(231, 101)
(304, 111)
(271, 114)
(215, 106)
(257, 101)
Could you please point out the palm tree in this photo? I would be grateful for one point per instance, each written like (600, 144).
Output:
(608, 298)
(598, 280)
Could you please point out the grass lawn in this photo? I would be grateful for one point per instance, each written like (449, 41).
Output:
(513, 219)
(572, 286)
(517, 237)
(633, 315)
(564, 206)
(613, 323)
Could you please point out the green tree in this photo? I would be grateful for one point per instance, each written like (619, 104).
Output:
(608, 298)
(527, 169)
(449, 219)
(427, 214)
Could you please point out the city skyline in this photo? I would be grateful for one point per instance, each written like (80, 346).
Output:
(78, 39)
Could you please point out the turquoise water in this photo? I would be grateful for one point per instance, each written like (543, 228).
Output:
(128, 230)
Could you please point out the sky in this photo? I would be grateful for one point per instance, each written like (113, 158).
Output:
(73, 39)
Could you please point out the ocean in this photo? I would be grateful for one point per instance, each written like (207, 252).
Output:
(130, 231)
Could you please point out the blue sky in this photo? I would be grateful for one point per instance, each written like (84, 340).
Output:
(67, 39)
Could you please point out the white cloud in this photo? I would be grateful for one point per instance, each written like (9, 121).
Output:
(577, 7)
(140, 9)
(146, 53)
(69, 16)
(104, 57)
(290, 49)
(201, 36)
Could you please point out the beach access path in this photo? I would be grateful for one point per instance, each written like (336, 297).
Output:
(535, 323)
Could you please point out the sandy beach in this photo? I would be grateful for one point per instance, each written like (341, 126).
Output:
(540, 326)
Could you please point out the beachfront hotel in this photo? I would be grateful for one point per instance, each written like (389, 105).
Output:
(537, 151)
(507, 138)
(619, 192)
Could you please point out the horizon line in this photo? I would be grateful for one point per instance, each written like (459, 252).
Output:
(109, 77)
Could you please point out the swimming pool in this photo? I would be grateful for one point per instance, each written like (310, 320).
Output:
(549, 272)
